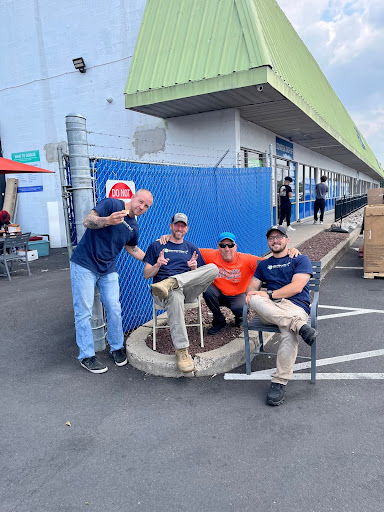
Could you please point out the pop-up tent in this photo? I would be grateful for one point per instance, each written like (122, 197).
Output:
(11, 167)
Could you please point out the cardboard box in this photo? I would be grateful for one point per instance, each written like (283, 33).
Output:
(42, 247)
(32, 255)
(374, 238)
(375, 195)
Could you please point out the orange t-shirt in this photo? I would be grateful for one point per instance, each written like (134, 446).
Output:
(234, 277)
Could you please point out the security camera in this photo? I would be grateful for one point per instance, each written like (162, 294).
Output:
(260, 88)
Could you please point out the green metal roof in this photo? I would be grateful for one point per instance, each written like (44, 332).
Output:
(199, 55)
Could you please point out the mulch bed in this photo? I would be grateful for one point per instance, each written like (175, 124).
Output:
(315, 248)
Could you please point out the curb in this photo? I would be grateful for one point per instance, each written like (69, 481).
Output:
(216, 361)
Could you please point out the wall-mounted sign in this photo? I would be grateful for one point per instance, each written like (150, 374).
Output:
(119, 189)
(284, 148)
(28, 182)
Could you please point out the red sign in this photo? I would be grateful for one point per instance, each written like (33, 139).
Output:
(120, 191)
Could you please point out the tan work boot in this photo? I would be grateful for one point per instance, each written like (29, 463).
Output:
(162, 288)
(184, 360)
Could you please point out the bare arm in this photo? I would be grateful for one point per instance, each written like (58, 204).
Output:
(152, 270)
(94, 221)
(135, 252)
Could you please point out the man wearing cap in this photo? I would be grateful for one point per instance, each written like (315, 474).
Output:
(285, 194)
(286, 303)
(179, 275)
(228, 289)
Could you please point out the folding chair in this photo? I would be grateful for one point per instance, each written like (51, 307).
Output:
(187, 305)
(10, 245)
(255, 324)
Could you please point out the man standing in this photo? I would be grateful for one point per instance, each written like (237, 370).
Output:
(179, 275)
(321, 192)
(285, 194)
(111, 225)
(286, 303)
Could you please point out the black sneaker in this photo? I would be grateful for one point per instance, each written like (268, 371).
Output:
(93, 365)
(238, 321)
(119, 357)
(276, 394)
(308, 334)
(217, 327)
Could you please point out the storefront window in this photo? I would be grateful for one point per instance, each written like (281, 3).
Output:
(301, 182)
(307, 183)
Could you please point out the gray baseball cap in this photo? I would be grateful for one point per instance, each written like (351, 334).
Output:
(179, 217)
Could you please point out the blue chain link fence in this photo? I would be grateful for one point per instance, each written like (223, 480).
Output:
(214, 199)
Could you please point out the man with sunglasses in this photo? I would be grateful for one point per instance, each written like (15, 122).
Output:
(236, 270)
(285, 303)
(228, 289)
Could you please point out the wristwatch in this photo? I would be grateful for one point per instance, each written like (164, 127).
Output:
(270, 294)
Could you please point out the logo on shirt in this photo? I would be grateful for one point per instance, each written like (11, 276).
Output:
(175, 250)
(282, 265)
(230, 275)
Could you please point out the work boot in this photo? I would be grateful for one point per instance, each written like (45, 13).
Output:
(276, 394)
(308, 334)
(217, 327)
(184, 360)
(162, 288)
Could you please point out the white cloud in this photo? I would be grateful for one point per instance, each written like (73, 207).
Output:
(346, 37)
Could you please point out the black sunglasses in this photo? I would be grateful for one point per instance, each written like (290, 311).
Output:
(230, 246)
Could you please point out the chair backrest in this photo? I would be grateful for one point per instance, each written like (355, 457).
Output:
(16, 241)
(314, 282)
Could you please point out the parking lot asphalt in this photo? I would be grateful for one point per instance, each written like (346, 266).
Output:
(125, 440)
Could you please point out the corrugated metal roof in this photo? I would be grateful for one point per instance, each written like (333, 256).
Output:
(198, 55)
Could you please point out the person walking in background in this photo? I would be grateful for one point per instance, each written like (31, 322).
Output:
(285, 194)
(111, 225)
(321, 192)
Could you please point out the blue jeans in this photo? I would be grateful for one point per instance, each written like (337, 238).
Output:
(83, 291)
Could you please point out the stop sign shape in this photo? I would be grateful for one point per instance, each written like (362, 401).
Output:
(120, 191)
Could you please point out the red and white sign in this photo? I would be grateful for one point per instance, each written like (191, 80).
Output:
(120, 189)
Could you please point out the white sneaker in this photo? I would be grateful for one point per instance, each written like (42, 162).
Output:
(315, 221)
(321, 222)
(290, 228)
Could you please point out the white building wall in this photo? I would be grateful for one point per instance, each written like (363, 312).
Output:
(39, 86)
(255, 137)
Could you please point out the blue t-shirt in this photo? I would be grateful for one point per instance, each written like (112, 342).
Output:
(98, 248)
(178, 255)
(278, 272)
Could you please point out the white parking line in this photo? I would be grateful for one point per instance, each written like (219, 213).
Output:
(354, 268)
(266, 374)
(351, 312)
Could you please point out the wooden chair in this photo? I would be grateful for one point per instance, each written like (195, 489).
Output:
(9, 247)
(189, 305)
(255, 324)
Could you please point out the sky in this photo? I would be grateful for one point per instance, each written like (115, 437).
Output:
(347, 40)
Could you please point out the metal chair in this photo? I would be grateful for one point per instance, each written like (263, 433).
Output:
(187, 305)
(255, 324)
(10, 245)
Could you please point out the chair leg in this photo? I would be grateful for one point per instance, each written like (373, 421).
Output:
(27, 262)
(7, 269)
(261, 341)
(200, 318)
(247, 351)
(313, 363)
(154, 327)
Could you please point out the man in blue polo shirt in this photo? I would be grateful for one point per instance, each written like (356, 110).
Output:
(179, 275)
(286, 303)
(111, 225)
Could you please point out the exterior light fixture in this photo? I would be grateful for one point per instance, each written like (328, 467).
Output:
(79, 64)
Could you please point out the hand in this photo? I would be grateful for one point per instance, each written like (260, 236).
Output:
(116, 218)
(162, 260)
(164, 239)
(192, 263)
(292, 253)
(252, 293)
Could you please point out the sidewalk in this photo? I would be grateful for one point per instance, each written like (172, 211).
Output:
(232, 355)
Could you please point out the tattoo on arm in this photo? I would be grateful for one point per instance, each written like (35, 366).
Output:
(94, 222)
(135, 249)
